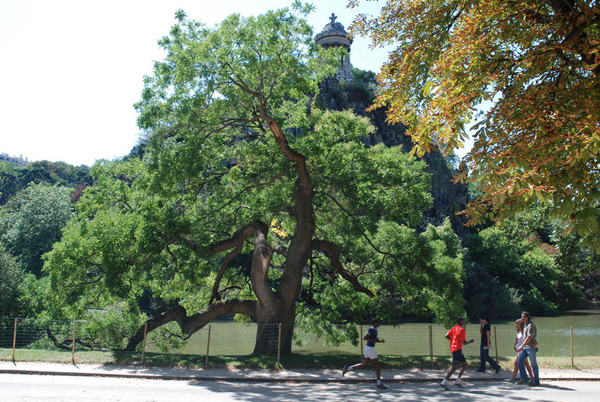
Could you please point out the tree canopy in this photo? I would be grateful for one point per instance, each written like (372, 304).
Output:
(251, 201)
(532, 67)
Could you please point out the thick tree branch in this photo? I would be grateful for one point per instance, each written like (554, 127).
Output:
(225, 307)
(261, 261)
(236, 241)
(193, 323)
(331, 250)
(237, 238)
(224, 265)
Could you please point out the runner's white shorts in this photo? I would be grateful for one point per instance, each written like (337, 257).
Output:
(370, 352)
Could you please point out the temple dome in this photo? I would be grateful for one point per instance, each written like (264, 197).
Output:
(333, 34)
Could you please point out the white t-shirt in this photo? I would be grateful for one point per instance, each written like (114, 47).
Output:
(520, 339)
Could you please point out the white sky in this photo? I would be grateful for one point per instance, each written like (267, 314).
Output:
(71, 70)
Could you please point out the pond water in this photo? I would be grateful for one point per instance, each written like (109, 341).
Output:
(420, 339)
(417, 339)
(554, 333)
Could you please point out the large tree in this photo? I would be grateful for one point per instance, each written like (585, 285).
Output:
(532, 67)
(251, 201)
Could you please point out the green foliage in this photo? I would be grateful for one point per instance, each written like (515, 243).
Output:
(16, 178)
(106, 255)
(108, 329)
(168, 337)
(32, 220)
(510, 269)
(362, 88)
(413, 275)
(579, 265)
(13, 285)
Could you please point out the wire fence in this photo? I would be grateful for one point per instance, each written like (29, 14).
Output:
(240, 339)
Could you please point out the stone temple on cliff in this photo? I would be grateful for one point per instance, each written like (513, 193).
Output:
(334, 35)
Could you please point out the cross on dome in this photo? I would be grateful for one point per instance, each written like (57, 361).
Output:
(333, 18)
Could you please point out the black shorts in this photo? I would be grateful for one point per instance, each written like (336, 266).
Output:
(458, 357)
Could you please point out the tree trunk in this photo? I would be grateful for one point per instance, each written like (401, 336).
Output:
(273, 337)
(272, 310)
(280, 307)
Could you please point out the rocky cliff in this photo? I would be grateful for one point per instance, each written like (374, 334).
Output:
(357, 95)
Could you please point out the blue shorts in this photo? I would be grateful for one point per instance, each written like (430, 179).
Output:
(458, 357)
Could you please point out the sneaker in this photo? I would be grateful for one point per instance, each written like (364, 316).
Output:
(444, 384)
(497, 370)
(510, 380)
(533, 384)
(458, 384)
(344, 370)
(382, 386)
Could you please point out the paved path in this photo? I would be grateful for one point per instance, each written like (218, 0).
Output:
(30, 381)
(323, 376)
(58, 388)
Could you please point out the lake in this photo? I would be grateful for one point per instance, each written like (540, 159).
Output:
(554, 337)
(554, 333)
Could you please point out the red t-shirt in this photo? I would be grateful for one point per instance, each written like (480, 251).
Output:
(457, 337)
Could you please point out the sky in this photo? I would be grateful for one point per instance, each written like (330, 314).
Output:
(71, 70)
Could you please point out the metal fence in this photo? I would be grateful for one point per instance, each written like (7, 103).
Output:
(238, 339)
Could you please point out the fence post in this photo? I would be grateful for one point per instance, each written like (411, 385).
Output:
(144, 343)
(207, 346)
(14, 340)
(572, 348)
(279, 348)
(496, 343)
(431, 344)
(74, 337)
(361, 344)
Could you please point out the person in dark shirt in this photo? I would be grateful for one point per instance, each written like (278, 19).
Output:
(486, 345)
(370, 353)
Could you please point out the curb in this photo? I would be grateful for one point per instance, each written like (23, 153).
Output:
(263, 379)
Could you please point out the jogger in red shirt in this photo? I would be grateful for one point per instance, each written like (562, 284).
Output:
(457, 338)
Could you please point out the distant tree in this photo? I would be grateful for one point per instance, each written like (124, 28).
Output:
(9, 181)
(534, 68)
(16, 178)
(252, 202)
(579, 265)
(11, 277)
(517, 267)
(32, 220)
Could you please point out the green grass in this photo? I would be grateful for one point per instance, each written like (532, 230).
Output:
(288, 361)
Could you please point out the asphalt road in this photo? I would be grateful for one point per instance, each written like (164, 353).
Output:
(21, 388)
